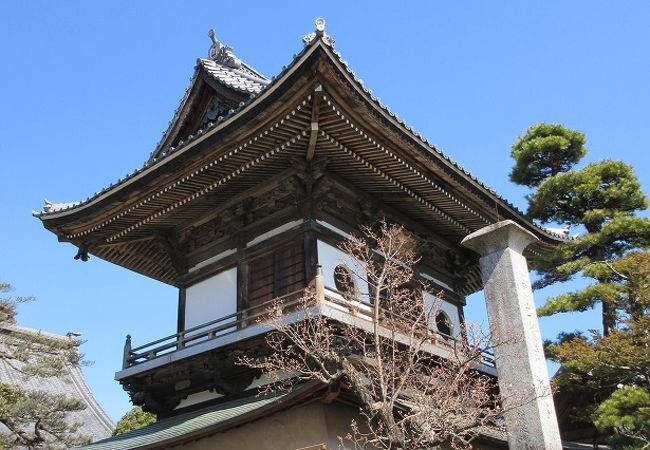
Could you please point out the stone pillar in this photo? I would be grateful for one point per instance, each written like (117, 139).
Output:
(523, 378)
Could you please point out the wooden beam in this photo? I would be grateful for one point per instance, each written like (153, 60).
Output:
(310, 251)
(242, 284)
(315, 112)
(264, 187)
(389, 211)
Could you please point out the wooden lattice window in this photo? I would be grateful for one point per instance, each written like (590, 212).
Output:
(276, 274)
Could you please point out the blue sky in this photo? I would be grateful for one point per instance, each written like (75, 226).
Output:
(87, 88)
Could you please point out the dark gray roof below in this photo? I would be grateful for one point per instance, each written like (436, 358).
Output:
(96, 423)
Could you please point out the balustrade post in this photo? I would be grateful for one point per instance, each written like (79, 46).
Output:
(127, 352)
(319, 284)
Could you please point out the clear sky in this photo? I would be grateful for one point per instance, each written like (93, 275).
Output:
(87, 88)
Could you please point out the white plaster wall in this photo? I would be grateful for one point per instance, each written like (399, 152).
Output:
(329, 257)
(211, 298)
(433, 304)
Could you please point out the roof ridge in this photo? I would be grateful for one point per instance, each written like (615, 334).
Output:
(69, 382)
(34, 331)
(257, 78)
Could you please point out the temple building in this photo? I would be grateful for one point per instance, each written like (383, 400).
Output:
(244, 200)
(94, 423)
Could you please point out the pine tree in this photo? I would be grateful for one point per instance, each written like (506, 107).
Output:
(602, 199)
(134, 419)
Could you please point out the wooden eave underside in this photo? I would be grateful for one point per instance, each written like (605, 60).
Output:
(137, 226)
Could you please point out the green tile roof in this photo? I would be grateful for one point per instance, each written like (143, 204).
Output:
(183, 425)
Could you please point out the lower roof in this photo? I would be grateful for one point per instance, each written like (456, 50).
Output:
(200, 423)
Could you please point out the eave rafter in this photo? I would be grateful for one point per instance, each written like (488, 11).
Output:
(494, 206)
(319, 58)
(393, 181)
(398, 173)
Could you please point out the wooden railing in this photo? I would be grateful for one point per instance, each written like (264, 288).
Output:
(223, 326)
(255, 315)
(364, 309)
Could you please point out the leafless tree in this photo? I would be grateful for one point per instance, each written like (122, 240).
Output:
(417, 389)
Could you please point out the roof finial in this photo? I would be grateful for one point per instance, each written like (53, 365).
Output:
(221, 53)
(216, 45)
(320, 32)
(213, 36)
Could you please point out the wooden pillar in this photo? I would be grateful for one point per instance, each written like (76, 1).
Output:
(180, 325)
(242, 288)
(310, 255)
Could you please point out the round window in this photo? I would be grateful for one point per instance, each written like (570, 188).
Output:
(443, 324)
(344, 279)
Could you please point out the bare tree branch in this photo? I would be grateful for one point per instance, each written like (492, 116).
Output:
(410, 397)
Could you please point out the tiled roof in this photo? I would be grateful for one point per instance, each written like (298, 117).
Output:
(224, 75)
(239, 79)
(96, 423)
(185, 424)
(54, 207)
(236, 77)
(433, 149)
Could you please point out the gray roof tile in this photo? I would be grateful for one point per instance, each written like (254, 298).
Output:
(243, 79)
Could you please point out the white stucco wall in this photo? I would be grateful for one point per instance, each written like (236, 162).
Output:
(434, 304)
(211, 298)
(329, 257)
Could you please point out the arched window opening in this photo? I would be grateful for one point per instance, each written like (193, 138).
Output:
(443, 324)
(344, 280)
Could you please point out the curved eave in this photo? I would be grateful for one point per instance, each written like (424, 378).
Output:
(438, 156)
(108, 199)
(107, 195)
